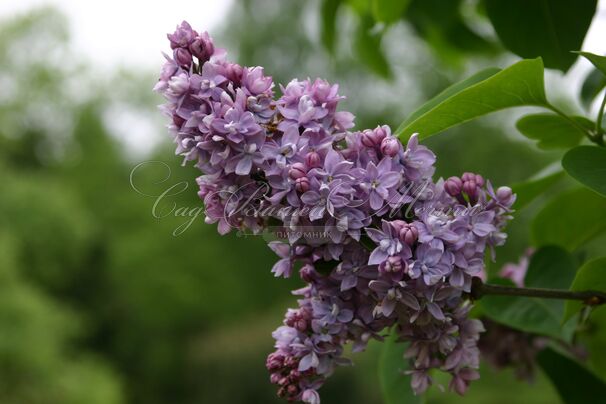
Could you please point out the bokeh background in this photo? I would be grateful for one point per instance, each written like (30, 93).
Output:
(100, 302)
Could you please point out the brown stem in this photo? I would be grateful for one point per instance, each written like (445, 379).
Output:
(589, 297)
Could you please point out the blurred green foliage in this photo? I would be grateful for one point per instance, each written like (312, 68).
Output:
(100, 302)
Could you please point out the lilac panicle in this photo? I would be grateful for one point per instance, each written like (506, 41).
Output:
(388, 246)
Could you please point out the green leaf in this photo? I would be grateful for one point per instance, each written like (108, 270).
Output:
(598, 61)
(553, 131)
(328, 12)
(570, 219)
(547, 28)
(593, 337)
(592, 86)
(449, 92)
(395, 386)
(368, 47)
(519, 84)
(360, 7)
(527, 191)
(587, 164)
(550, 267)
(388, 11)
(574, 383)
(591, 276)
(442, 26)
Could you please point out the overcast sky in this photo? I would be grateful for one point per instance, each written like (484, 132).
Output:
(126, 32)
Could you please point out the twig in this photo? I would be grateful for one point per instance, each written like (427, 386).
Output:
(589, 297)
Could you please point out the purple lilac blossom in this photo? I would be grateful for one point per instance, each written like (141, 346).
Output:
(390, 248)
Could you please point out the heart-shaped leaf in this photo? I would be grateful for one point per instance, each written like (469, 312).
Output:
(554, 131)
(587, 164)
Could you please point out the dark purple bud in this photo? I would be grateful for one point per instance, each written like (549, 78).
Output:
(477, 178)
(274, 362)
(382, 131)
(390, 146)
(453, 186)
(471, 189)
(202, 47)
(394, 264)
(407, 232)
(182, 37)
(307, 273)
(290, 362)
(313, 160)
(297, 170)
(293, 390)
(302, 184)
(373, 138)
(233, 72)
(182, 57)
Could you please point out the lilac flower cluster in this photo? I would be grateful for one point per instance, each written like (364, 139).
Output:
(381, 245)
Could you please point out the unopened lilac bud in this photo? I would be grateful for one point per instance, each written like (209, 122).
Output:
(313, 160)
(233, 72)
(182, 57)
(453, 186)
(471, 189)
(302, 184)
(293, 390)
(390, 146)
(394, 264)
(307, 273)
(297, 170)
(274, 362)
(182, 37)
(504, 193)
(477, 178)
(373, 138)
(202, 47)
(382, 131)
(409, 234)
(290, 361)
(367, 138)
